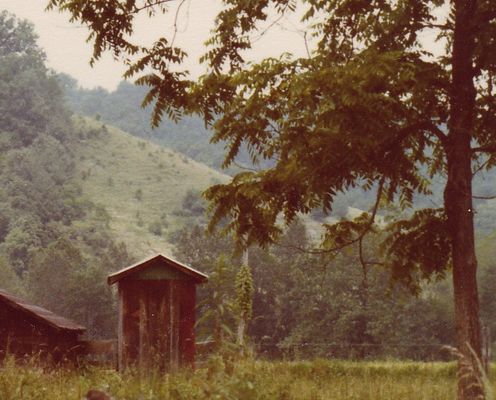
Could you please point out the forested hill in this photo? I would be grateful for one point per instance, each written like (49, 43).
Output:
(122, 108)
(78, 199)
(49, 251)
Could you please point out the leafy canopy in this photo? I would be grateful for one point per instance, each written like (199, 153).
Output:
(365, 109)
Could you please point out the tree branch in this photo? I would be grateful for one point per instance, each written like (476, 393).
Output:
(244, 168)
(446, 26)
(365, 277)
(481, 167)
(358, 239)
(176, 17)
(443, 138)
(136, 10)
(488, 148)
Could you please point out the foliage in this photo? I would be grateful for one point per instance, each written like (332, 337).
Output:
(304, 305)
(315, 114)
(200, 250)
(244, 293)
(48, 251)
(121, 108)
(63, 281)
(309, 305)
(10, 281)
(31, 102)
(155, 228)
(216, 307)
(194, 203)
(243, 306)
(487, 280)
(419, 248)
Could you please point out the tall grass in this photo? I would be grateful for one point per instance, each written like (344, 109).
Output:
(313, 380)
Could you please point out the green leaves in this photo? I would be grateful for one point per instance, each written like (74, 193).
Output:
(167, 88)
(17, 38)
(31, 101)
(365, 107)
(244, 293)
(110, 22)
(418, 248)
(326, 128)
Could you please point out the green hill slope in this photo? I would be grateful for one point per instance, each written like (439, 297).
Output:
(139, 185)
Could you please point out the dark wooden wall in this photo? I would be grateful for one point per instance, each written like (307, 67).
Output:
(156, 323)
(21, 334)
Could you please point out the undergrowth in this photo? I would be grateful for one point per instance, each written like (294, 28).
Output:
(313, 380)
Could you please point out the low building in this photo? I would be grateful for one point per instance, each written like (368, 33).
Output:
(156, 313)
(27, 329)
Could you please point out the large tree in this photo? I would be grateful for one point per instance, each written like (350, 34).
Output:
(31, 101)
(370, 106)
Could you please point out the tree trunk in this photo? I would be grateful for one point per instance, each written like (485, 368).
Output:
(458, 200)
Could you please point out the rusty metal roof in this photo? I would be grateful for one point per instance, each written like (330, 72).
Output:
(39, 313)
(195, 275)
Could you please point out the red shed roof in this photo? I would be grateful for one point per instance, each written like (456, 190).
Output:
(39, 313)
(192, 273)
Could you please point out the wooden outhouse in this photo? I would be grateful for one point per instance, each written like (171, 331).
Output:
(156, 313)
(29, 329)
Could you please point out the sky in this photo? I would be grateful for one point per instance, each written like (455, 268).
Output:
(67, 50)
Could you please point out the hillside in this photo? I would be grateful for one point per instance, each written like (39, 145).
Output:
(122, 108)
(140, 186)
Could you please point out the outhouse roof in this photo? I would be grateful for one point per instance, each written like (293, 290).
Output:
(161, 261)
(39, 313)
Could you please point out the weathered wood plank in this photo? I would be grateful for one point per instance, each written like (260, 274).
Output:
(144, 345)
(120, 331)
(130, 324)
(174, 324)
(187, 324)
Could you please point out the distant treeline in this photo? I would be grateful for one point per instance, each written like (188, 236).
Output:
(308, 305)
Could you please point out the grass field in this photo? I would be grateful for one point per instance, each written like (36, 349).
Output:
(249, 380)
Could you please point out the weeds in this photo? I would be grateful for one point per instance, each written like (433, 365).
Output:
(241, 380)
(472, 371)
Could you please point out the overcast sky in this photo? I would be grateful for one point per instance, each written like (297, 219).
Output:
(67, 50)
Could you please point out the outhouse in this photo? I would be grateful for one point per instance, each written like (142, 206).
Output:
(156, 313)
(27, 329)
